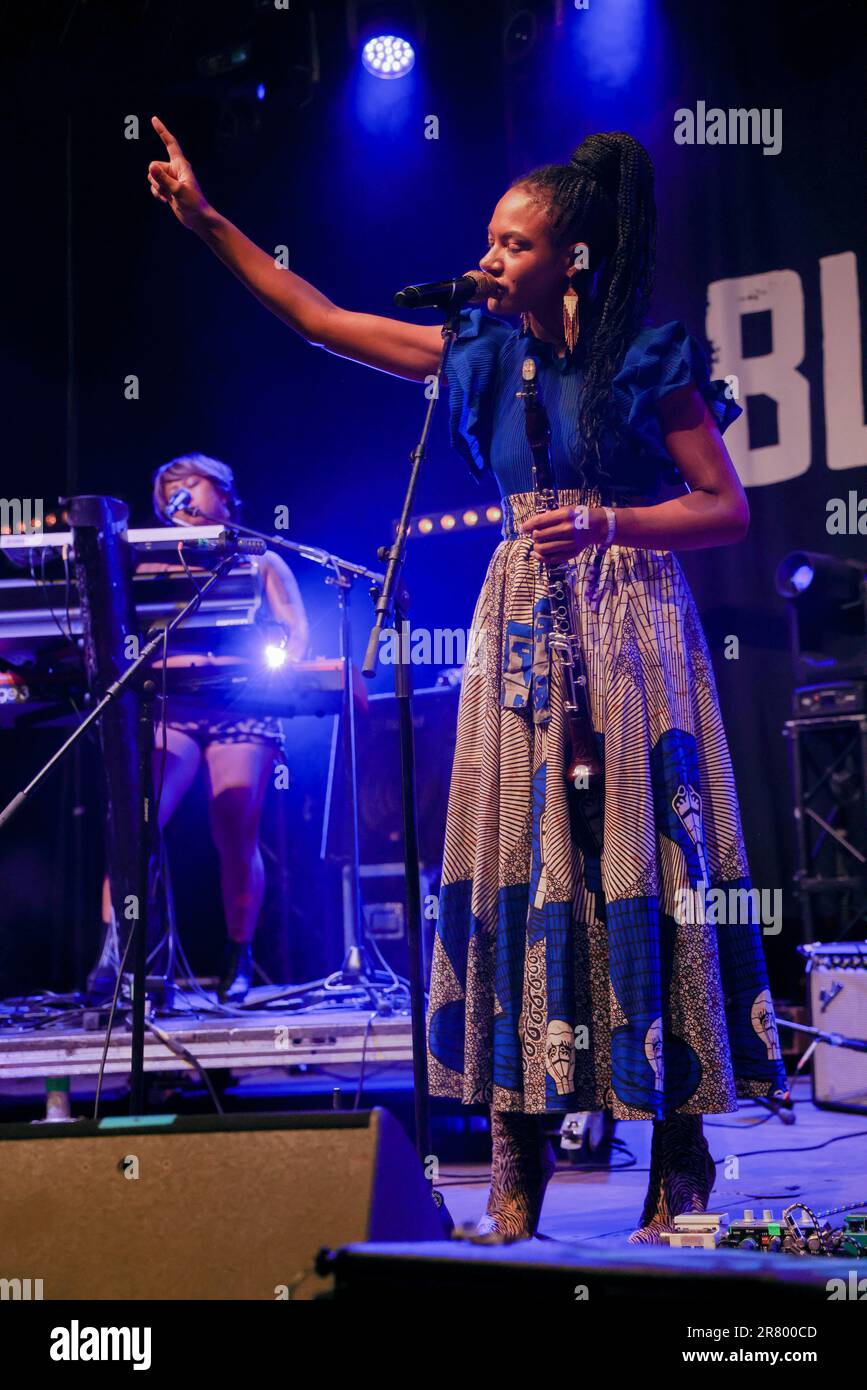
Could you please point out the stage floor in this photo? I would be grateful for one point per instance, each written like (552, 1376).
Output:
(820, 1159)
(303, 1061)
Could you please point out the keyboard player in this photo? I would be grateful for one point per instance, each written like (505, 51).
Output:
(236, 753)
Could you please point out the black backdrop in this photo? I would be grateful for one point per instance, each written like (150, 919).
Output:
(101, 284)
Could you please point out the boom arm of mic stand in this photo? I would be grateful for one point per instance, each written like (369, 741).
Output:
(313, 553)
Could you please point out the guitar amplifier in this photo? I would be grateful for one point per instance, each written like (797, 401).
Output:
(837, 976)
(834, 697)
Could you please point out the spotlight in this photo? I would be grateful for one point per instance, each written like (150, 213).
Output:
(827, 613)
(839, 579)
(225, 60)
(388, 56)
(799, 580)
(275, 657)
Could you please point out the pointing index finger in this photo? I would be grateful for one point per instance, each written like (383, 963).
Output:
(171, 144)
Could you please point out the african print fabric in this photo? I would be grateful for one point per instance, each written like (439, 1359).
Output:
(577, 963)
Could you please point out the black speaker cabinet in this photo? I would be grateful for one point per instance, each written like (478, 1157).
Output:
(223, 1207)
(380, 823)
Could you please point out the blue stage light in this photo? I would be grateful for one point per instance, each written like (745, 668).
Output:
(275, 657)
(794, 574)
(260, 92)
(802, 578)
(388, 56)
(612, 43)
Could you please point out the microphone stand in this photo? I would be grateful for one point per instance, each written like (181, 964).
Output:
(145, 729)
(391, 602)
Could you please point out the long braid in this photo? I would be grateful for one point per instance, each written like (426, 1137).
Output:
(604, 197)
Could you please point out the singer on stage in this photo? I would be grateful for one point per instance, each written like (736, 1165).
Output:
(565, 980)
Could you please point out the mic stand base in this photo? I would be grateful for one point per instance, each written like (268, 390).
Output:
(358, 972)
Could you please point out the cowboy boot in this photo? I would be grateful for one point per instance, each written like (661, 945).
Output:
(521, 1167)
(682, 1175)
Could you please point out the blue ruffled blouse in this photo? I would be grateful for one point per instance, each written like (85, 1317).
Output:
(486, 419)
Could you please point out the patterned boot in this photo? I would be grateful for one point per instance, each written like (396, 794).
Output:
(521, 1168)
(682, 1175)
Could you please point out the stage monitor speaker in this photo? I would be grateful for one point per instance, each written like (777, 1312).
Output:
(192, 1207)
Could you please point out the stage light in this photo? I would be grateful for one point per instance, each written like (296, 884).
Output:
(608, 52)
(801, 578)
(388, 56)
(260, 92)
(840, 579)
(827, 599)
(226, 60)
(275, 657)
(453, 522)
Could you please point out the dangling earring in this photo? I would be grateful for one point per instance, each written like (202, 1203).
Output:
(571, 327)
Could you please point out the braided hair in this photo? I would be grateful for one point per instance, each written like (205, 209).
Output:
(604, 198)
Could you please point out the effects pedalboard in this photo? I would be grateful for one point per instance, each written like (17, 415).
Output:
(712, 1230)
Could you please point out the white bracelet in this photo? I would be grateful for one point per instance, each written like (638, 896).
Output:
(612, 527)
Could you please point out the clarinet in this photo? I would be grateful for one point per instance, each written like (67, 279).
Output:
(584, 770)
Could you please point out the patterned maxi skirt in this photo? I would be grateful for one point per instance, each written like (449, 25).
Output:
(582, 959)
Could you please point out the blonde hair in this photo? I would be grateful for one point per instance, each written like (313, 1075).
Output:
(203, 467)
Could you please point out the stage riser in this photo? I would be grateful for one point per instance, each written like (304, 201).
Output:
(539, 1270)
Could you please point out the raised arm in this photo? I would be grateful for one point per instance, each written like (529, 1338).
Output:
(403, 349)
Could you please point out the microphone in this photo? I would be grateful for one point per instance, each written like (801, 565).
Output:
(230, 544)
(240, 545)
(474, 287)
(178, 502)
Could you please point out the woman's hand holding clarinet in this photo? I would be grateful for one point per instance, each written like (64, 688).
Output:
(566, 531)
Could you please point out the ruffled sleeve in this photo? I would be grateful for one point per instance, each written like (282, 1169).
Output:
(658, 362)
(471, 373)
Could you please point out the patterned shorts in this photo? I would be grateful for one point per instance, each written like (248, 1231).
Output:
(207, 725)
